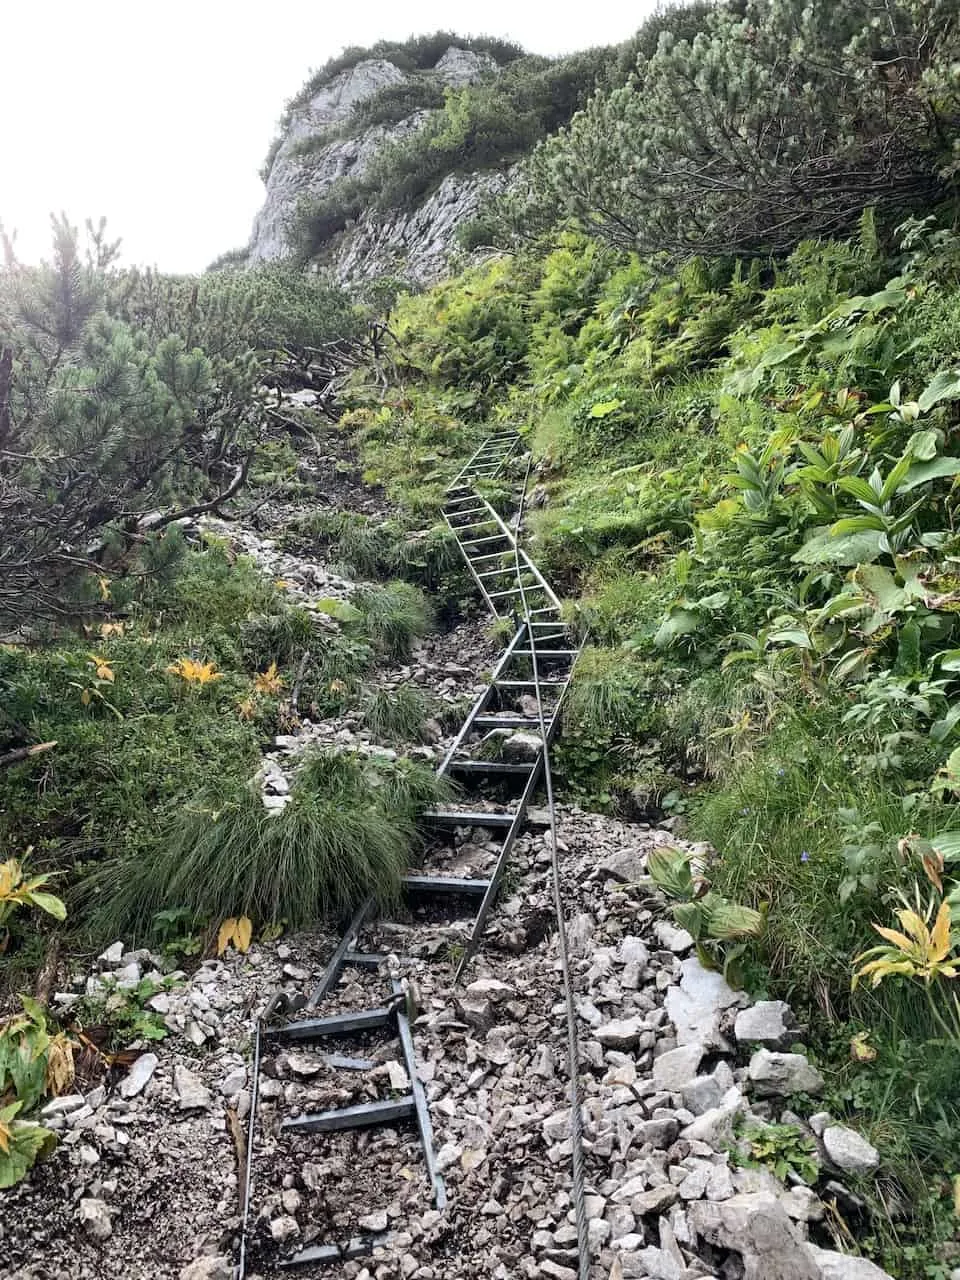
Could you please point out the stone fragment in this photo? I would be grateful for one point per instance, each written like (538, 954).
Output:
(139, 1075)
(233, 1082)
(95, 1218)
(848, 1150)
(766, 1023)
(284, 1228)
(620, 1033)
(673, 938)
(783, 1073)
(376, 1221)
(211, 1267)
(677, 1067)
(756, 1227)
(112, 956)
(491, 989)
(695, 1006)
(305, 1065)
(840, 1266)
(191, 1094)
(657, 1200)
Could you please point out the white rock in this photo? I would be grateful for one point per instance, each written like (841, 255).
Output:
(95, 1218)
(674, 939)
(374, 1221)
(694, 1007)
(113, 954)
(191, 1093)
(233, 1082)
(139, 1075)
(491, 989)
(620, 1033)
(765, 1023)
(677, 1067)
(849, 1150)
(211, 1267)
(839, 1266)
(783, 1073)
(284, 1228)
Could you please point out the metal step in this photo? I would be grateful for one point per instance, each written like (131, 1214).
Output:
(467, 818)
(364, 1116)
(440, 885)
(530, 684)
(340, 1024)
(355, 1247)
(489, 767)
(510, 722)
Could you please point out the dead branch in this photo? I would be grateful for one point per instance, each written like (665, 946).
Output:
(24, 753)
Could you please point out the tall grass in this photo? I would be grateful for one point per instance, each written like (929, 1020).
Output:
(395, 715)
(393, 616)
(349, 832)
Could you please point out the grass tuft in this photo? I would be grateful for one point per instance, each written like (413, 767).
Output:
(349, 831)
(393, 617)
(395, 715)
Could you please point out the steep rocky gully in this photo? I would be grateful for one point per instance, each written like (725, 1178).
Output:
(674, 1064)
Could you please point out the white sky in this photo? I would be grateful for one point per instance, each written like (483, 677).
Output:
(158, 113)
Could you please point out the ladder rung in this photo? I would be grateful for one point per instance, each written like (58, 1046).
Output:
(468, 818)
(544, 653)
(513, 722)
(530, 684)
(454, 885)
(336, 1025)
(363, 1116)
(494, 555)
(364, 959)
(496, 537)
(356, 1247)
(488, 766)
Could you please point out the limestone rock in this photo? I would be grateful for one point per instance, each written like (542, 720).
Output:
(95, 1218)
(139, 1075)
(783, 1073)
(211, 1267)
(695, 1006)
(756, 1227)
(839, 1266)
(677, 1067)
(848, 1150)
(765, 1023)
(191, 1093)
(620, 1033)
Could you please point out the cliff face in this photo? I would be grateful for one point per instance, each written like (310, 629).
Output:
(414, 242)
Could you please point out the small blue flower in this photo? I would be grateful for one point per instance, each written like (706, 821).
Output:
(805, 856)
(781, 772)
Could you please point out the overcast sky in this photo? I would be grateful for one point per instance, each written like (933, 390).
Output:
(158, 115)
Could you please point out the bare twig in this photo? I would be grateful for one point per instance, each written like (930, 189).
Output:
(301, 672)
(24, 753)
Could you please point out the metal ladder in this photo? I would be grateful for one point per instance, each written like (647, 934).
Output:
(511, 585)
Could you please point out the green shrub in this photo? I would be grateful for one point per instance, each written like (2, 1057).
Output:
(395, 715)
(394, 616)
(349, 832)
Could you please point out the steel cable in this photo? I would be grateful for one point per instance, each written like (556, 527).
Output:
(573, 1055)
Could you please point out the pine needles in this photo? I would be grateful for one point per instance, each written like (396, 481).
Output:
(349, 832)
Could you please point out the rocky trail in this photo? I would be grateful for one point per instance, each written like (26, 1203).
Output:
(675, 1067)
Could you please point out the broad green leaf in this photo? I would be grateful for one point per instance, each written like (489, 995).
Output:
(880, 582)
(604, 408)
(858, 547)
(947, 843)
(791, 635)
(945, 386)
(921, 472)
(923, 445)
(941, 729)
(680, 622)
(51, 904)
(859, 489)
(342, 610)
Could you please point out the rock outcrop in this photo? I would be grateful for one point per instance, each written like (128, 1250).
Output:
(415, 242)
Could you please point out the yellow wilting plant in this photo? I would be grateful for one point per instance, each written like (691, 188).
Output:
(17, 891)
(193, 672)
(925, 949)
(236, 932)
(268, 681)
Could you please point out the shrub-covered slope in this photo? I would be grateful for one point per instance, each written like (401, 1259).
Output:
(746, 482)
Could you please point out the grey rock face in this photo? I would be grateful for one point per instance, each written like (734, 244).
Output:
(783, 1073)
(765, 1023)
(848, 1150)
(95, 1218)
(838, 1266)
(212, 1267)
(191, 1093)
(756, 1227)
(678, 1067)
(139, 1075)
(416, 243)
(696, 1005)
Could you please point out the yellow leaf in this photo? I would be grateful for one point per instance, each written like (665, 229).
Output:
(956, 1194)
(225, 934)
(104, 588)
(940, 937)
(860, 1048)
(111, 629)
(915, 926)
(243, 933)
(898, 939)
(6, 1136)
(268, 681)
(10, 877)
(85, 697)
(60, 1070)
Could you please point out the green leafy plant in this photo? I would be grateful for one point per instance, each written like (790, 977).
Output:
(784, 1149)
(16, 892)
